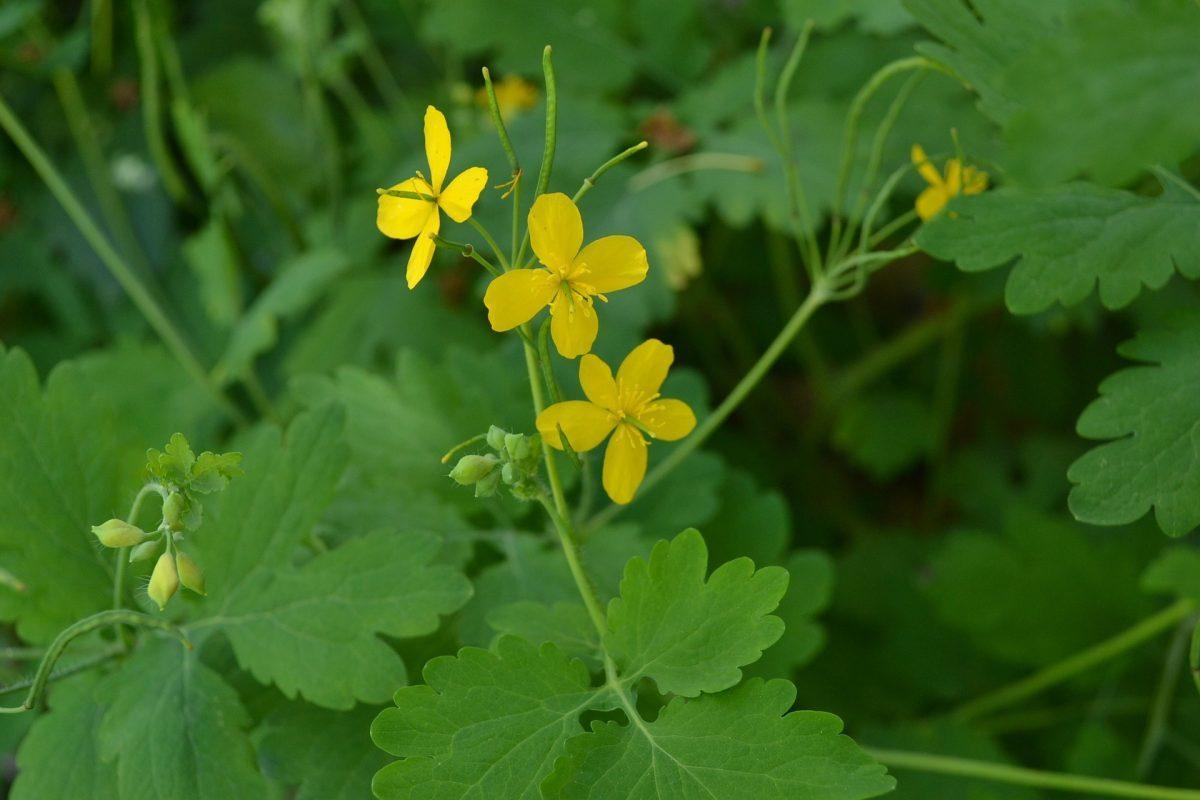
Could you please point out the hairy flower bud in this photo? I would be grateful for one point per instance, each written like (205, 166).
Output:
(144, 551)
(164, 581)
(119, 533)
(487, 486)
(172, 510)
(472, 469)
(190, 574)
(495, 438)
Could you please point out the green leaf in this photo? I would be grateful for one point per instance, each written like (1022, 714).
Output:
(69, 730)
(1151, 414)
(688, 634)
(314, 629)
(212, 256)
(299, 283)
(810, 588)
(738, 745)
(885, 433)
(746, 507)
(177, 730)
(565, 624)
(1111, 92)
(488, 724)
(1177, 571)
(59, 475)
(327, 755)
(882, 17)
(1066, 240)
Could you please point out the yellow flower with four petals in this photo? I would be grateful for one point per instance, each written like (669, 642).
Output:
(629, 407)
(570, 279)
(957, 180)
(406, 217)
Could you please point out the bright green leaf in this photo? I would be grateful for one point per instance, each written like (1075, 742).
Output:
(1151, 414)
(689, 634)
(738, 745)
(1068, 239)
(69, 730)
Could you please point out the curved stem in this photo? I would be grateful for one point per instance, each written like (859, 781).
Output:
(693, 162)
(590, 181)
(137, 292)
(491, 242)
(1080, 662)
(122, 553)
(80, 628)
(1020, 776)
(817, 296)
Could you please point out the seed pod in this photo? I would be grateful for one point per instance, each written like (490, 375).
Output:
(119, 533)
(172, 510)
(190, 574)
(164, 581)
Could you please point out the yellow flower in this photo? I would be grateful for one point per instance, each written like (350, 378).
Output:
(571, 277)
(513, 94)
(406, 217)
(629, 408)
(957, 180)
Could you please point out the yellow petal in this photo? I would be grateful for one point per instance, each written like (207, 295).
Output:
(437, 147)
(515, 297)
(953, 177)
(555, 230)
(403, 217)
(668, 419)
(584, 424)
(930, 202)
(613, 262)
(928, 170)
(596, 378)
(624, 464)
(573, 325)
(643, 371)
(457, 198)
(422, 252)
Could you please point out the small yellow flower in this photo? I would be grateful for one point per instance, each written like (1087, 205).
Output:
(406, 217)
(628, 407)
(570, 280)
(957, 180)
(513, 94)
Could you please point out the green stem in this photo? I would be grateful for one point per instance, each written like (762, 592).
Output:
(590, 181)
(817, 296)
(1160, 712)
(550, 144)
(693, 162)
(1020, 776)
(467, 251)
(21, 653)
(1080, 662)
(137, 292)
(513, 162)
(102, 36)
(566, 538)
(152, 104)
(80, 628)
(491, 242)
(83, 665)
(122, 553)
(372, 58)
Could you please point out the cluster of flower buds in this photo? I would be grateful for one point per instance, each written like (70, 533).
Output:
(180, 478)
(514, 462)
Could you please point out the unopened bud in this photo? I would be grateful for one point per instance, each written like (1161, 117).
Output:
(189, 573)
(487, 487)
(472, 469)
(143, 551)
(495, 437)
(517, 445)
(164, 581)
(172, 510)
(119, 533)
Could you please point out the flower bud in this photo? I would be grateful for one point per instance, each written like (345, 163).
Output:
(472, 469)
(172, 510)
(509, 474)
(164, 581)
(118, 533)
(495, 437)
(143, 551)
(517, 445)
(488, 485)
(189, 573)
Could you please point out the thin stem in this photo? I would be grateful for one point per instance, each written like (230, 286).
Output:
(566, 538)
(1080, 662)
(122, 554)
(372, 58)
(152, 103)
(693, 162)
(1160, 712)
(1020, 776)
(102, 37)
(491, 242)
(513, 162)
(83, 665)
(817, 296)
(590, 181)
(468, 251)
(551, 141)
(21, 653)
(137, 292)
(80, 628)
